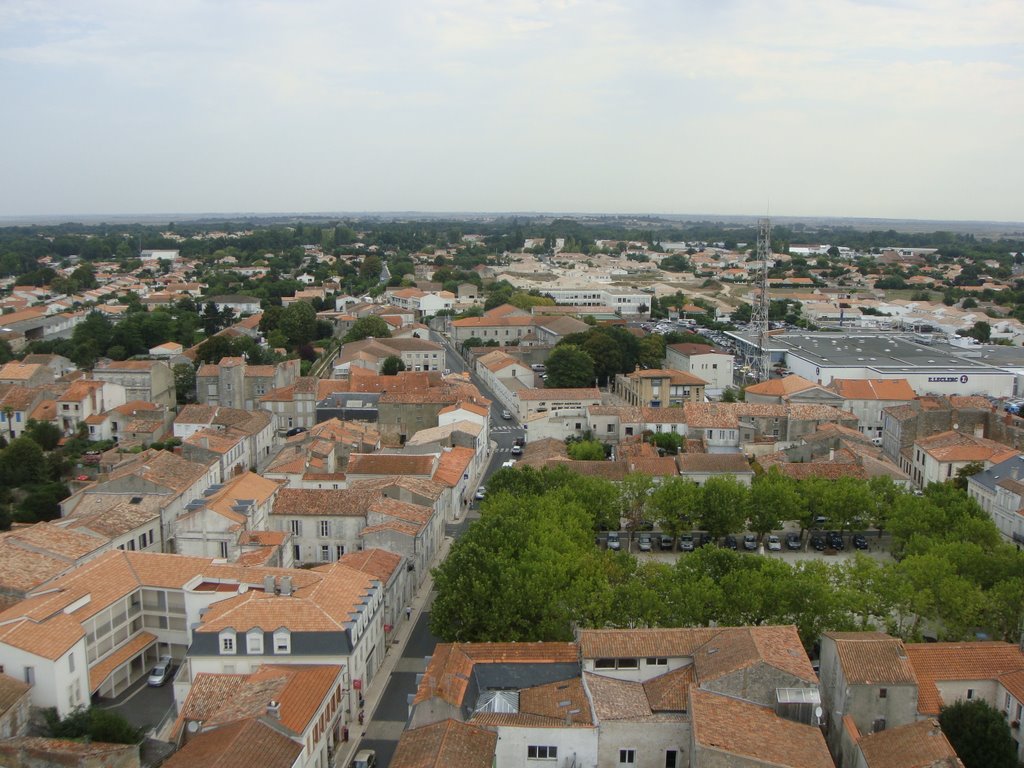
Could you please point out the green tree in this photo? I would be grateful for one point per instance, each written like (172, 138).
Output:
(773, 499)
(979, 734)
(22, 463)
(365, 327)
(670, 442)
(967, 471)
(184, 383)
(42, 502)
(92, 724)
(586, 450)
(724, 502)
(569, 366)
(981, 331)
(45, 433)
(214, 349)
(392, 365)
(652, 350)
(635, 492)
(674, 505)
(298, 323)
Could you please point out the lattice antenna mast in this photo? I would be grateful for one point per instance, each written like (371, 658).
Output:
(760, 359)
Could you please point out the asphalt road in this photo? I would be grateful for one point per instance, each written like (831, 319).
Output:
(387, 722)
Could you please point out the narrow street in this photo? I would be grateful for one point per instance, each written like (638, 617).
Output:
(388, 711)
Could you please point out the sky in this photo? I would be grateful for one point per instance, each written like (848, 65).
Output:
(829, 108)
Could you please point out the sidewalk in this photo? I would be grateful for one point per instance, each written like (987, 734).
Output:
(399, 638)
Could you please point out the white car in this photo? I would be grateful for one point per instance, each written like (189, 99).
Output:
(161, 673)
(506, 415)
(774, 543)
(480, 493)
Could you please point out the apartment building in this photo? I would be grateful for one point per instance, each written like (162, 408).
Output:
(233, 383)
(148, 380)
(712, 365)
(658, 387)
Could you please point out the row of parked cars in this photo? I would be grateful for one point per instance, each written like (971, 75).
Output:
(819, 541)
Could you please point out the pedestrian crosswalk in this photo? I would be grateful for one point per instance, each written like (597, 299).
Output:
(505, 428)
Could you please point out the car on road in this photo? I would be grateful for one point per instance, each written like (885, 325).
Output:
(644, 542)
(774, 543)
(667, 543)
(793, 541)
(749, 542)
(686, 543)
(614, 543)
(161, 673)
(860, 541)
(480, 493)
(294, 431)
(818, 542)
(729, 542)
(365, 758)
(506, 415)
(517, 450)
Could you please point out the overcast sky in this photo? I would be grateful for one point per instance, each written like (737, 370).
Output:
(828, 108)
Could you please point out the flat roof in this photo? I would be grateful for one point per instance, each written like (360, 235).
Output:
(881, 352)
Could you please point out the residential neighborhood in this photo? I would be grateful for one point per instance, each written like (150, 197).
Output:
(335, 508)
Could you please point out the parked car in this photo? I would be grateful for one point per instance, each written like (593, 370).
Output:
(667, 543)
(161, 673)
(818, 542)
(613, 541)
(517, 450)
(644, 542)
(506, 415)
(729, 542)
(521, 442)
(774, 543)
(294, 431)
(480, 493)
(686, 543)
(365, 758)
(793, 541)
(860, 541)
(834, 539)
(705, 539)
(749, 542)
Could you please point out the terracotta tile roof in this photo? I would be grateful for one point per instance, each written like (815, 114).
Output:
(391, 464)
(115, 521)
(737, 648)
(690, 349)
(11, 691)
(326, 605)
(675, 377)
(958, 446)
(869, 658)
(669, 692)
(421, 486)
(476, 408)
(323, 502)
(52, 540)
(47, 751)
(379, 563)
(733, 463)
(875, 389)
(50, 639)
(959, 661)
(163, 468)
(965, 402)
(18, 371)
(447, 673)
(105, 667)
(581, 393)
(636, 644)
(494, 322)
(909, 746)
(1014, 683)
(130, 365)
(452, 465)
(787, 385)
(732, 726)
(558, 701)
(828, 471)
(617, 699)
(664, 466)
(445, 744)
(242, 744)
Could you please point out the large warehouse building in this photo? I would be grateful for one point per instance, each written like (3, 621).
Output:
(929, 368)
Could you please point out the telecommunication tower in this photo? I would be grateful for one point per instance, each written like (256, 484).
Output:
(757, 360)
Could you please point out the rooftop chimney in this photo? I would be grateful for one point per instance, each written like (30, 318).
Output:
(286, 585)
(268, 584)
(274, 709)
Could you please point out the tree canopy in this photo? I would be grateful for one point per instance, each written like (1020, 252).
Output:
(368, 326)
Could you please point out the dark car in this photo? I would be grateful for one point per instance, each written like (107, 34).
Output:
(729, 542)
(793, 541)
(704, 539)
(834, 539)
(818, 542)
(294, 431)
(860, 541)
(667, 543)
(750, 542)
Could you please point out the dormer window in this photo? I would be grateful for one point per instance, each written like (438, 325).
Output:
(282, 642)
(227, 642)
(254, 643)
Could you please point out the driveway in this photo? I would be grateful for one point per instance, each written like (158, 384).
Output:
(140, 705)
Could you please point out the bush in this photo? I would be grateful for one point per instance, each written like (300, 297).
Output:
(92, 724)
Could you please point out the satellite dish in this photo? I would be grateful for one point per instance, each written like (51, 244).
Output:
(193, 726)
(818, 712)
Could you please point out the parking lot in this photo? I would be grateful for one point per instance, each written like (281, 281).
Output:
(878, 547)
(141, 705)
